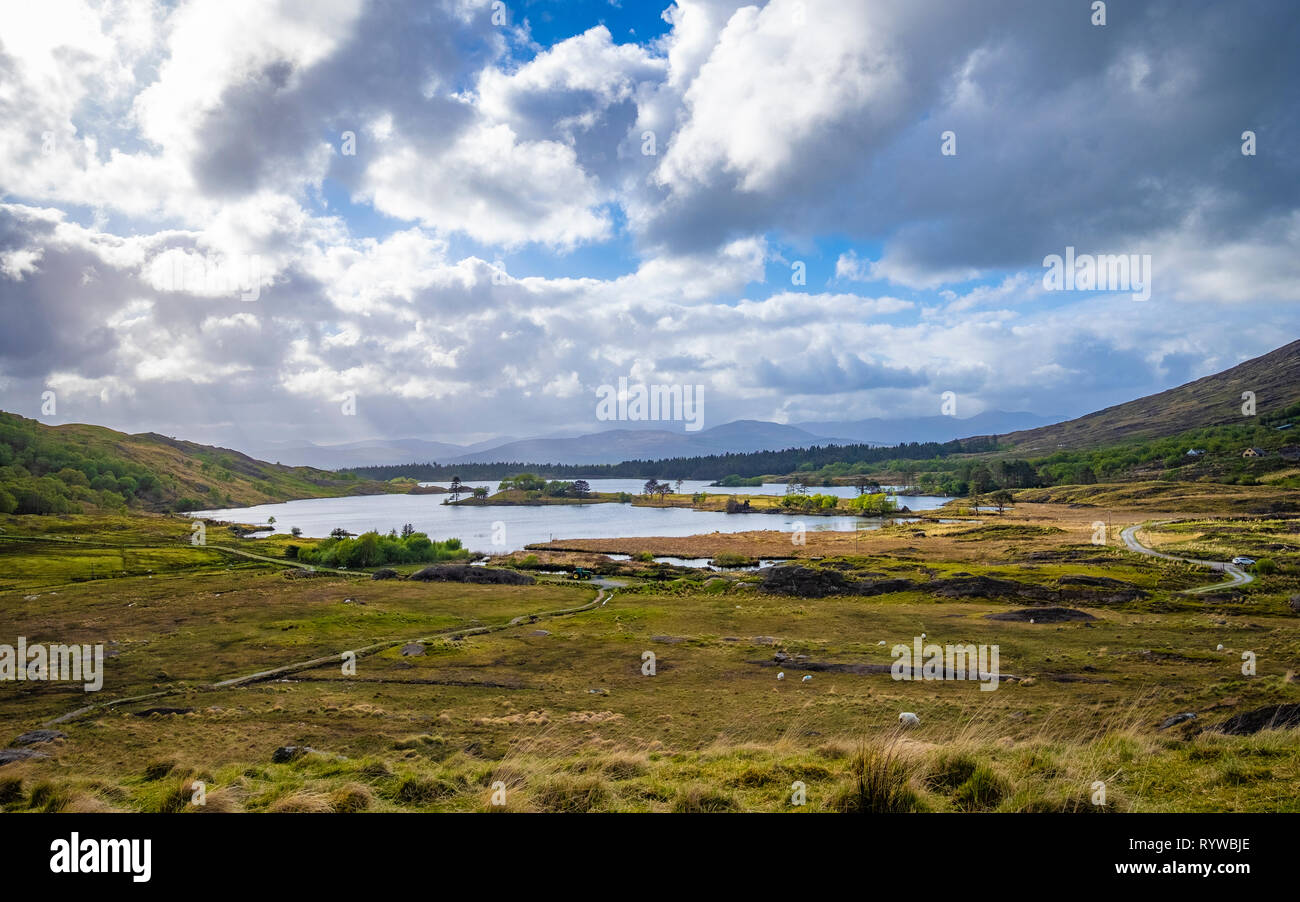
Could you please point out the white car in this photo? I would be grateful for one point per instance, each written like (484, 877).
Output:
(1243, 561)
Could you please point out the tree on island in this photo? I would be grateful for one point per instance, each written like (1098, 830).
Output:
(651, 486)
(456, 488)
(480, 491)
(524, 482)
(908, 471)
(581, 488)
(866, 484)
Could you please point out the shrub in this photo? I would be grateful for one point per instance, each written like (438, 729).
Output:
(370, 549)
(730, 559)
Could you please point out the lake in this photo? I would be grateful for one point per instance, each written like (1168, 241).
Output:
(517, 526)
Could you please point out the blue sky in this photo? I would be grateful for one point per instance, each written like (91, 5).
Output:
(528, 210)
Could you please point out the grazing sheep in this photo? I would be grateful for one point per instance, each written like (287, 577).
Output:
(881, 642)
(908, 719)
(781, 675)
(806, 678)
(1220, 648)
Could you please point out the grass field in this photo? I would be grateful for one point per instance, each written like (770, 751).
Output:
(558, 712)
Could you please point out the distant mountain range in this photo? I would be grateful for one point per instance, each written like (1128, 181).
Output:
(616, 445)
(929, 429)
(156, 472)
(375, 452)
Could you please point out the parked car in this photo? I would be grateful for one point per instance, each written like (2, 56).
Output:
(1243, 561)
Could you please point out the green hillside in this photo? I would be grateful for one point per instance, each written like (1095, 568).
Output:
(1216, 400)
(75, 468)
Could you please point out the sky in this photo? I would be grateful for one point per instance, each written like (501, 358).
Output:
(246, 221)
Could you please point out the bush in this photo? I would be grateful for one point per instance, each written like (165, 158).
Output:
(1265, 566)
(370, 549)
(874, 504)
(730, 559)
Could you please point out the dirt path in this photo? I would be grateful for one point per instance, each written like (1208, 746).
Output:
(310, 568)
(1236, 576)
(603, 595)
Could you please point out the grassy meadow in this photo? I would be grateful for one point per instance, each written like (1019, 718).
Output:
(461, 691)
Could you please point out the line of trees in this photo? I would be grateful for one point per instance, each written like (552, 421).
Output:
(710, 467)
(42, 474)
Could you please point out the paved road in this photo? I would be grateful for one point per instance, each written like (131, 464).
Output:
(1236, 576)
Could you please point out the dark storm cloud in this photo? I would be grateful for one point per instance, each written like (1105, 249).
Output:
(830, 374)
(1066, 133)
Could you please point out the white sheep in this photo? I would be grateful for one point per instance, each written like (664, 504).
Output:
(781, 675)
(908, 719)
(806, 678)
(1220, 648)
(881, 642)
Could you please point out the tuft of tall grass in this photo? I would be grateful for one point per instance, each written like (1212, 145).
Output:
(880, 780)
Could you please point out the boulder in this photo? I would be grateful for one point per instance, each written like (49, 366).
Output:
(1268, 717)
(286, 753)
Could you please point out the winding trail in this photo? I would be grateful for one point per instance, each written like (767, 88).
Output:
(603, 595)
(1236, 576)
